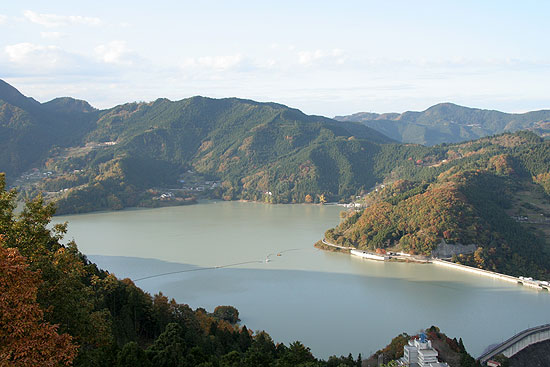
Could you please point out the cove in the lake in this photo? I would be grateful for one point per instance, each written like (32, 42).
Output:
(333, 303)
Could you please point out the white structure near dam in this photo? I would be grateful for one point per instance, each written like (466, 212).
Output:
(369, 255)
(419, 352)
(528, 282)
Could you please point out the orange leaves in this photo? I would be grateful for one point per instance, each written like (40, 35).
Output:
(502, 164)
(416, 223)
(25, 339)
(66, 261)
(322, 199)
(543, 179)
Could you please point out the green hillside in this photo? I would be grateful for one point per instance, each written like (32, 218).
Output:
(29, 130)
(86, 159)
(492, 193)
(450, 123)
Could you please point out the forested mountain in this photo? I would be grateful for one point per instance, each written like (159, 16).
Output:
(167, 153)
(492, 193)
(94, 159)
(29, 130)
(450, 123)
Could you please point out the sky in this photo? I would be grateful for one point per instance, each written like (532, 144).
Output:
(323, 57)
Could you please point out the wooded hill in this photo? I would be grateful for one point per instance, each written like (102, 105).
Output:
(29, 129)
(493, 193)
(107, 159)
(450, 123)
(87, 159)
(58, 309)
(449, 350)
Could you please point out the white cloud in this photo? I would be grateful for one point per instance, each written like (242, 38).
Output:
(26, 53)
(54, 20)
(307, 57)
(51, 35)
(270, 63)
(115, 52)
(49, 60)
(34, 59)
(3, 19)
(219, 63)
(311, 57)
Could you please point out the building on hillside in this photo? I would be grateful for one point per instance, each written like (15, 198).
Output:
(420, 353)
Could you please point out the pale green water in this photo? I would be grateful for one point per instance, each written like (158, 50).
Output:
(333, 303)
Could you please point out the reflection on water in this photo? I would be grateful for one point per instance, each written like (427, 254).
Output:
(332, 302)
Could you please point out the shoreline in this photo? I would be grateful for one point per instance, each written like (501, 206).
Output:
(167, 203)
(528, 282)
(536, 284)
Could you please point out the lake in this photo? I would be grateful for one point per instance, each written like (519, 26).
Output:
(333, 303)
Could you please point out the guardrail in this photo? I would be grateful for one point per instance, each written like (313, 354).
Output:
(492, 274)
(324, 241)
(502, 347)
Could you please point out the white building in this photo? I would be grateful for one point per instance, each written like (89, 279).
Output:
(369, 255)
(420, 353)
(410, 354)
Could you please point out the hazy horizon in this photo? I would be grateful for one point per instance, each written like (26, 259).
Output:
(322, 58)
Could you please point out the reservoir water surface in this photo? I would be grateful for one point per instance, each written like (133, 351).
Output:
(333, 303)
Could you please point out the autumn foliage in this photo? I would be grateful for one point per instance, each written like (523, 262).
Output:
(416, 223)
(25, 338)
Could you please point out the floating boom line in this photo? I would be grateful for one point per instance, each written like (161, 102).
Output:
(218, 266)
(198, 269)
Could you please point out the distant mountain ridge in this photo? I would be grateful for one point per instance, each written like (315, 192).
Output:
(168, 152)
(12, 96)
(98, 159)
(69, 105)
(29, 129)
(450, 123)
